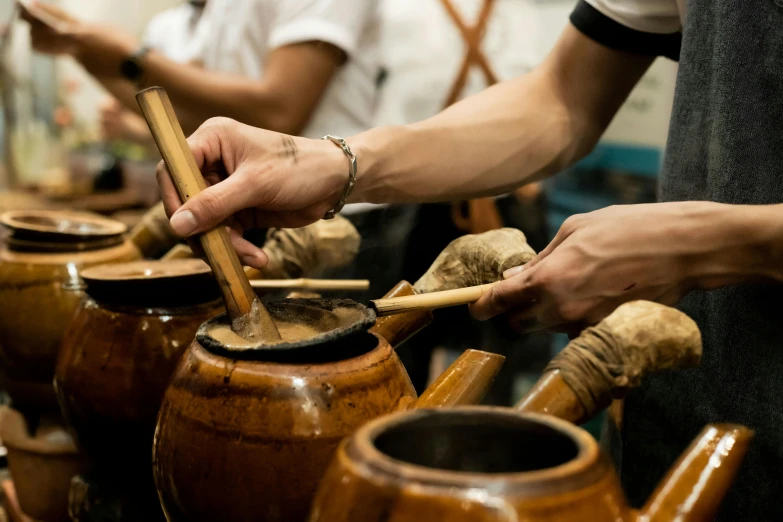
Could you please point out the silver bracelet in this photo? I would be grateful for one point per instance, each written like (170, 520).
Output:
(351, 174)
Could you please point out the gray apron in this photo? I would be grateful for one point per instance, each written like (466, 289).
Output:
(726, 145)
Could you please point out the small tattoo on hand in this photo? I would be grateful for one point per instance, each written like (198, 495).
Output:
(289, 150)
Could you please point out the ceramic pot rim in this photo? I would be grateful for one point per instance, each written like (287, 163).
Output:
(588, 466)
(258, 351)
(102, 227)
(146, 270)
(60, 231)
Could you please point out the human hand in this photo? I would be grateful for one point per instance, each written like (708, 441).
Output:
(256, 179)
(602, 259)
(52, 30)
(100, 48)
(119, 123)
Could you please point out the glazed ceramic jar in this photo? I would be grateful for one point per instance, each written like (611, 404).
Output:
(41, 465)
(246, 431)
(481, 464)
(530, 463)
(40, 289)
(119, 352)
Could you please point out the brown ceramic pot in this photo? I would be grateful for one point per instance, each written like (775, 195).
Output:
(498, 464)
(40, 289)
(244, 434)
(482, 464)
(119, 352)
(41, 465)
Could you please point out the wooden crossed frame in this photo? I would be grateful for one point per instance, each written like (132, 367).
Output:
(473, 37)
(477, 215)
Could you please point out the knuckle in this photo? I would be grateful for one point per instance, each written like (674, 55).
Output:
(160, 170)
(572, 222)
(211, 204)
(219, 122)
(499, 300)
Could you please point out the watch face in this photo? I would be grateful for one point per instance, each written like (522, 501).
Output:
(130, 70)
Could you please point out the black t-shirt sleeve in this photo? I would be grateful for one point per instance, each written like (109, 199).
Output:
(599, 27)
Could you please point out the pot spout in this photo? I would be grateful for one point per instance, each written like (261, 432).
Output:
(465, 382)
(695, 486)
(397, 329)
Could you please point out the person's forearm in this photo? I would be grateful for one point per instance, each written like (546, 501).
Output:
(198, 95)
(735, 244)
(491, 143)
(511, 134)
(125, 93)
(122, 90)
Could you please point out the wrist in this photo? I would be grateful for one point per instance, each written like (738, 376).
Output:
(376, 151)
(329, 162)
(737, 244)
(99, 50)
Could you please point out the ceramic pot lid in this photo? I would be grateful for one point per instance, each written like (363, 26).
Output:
(336, 330)
(175, 282)
(81, 230)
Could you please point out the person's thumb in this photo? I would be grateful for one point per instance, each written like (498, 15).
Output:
(511, 293)
(211, 207)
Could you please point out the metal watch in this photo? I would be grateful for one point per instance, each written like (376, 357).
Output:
(352, 169)
(132, 68)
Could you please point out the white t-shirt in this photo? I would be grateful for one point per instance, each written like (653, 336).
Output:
(650, 16)
(240, 34)
(173, 32)
(418, 83)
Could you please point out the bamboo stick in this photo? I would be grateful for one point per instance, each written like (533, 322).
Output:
(248, 316)
(304, 283)
(431, 301)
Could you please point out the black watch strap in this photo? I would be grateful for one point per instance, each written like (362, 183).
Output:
(132, 68)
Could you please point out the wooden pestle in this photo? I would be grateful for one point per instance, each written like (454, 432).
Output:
(431, 301)
(639, 338)
(248, 316)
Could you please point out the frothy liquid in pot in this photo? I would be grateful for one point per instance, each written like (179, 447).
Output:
(292, 326)
(289, 332)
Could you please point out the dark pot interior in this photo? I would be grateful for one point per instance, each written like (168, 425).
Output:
(477, 442)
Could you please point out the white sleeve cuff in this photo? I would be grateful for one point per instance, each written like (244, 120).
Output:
(650, 16)
(313, 30)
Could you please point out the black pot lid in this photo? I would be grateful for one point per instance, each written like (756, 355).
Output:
(175, 282)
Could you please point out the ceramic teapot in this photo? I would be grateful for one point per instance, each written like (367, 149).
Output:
(118, 354)
(40, 289)
(246, 431)
(505, 465)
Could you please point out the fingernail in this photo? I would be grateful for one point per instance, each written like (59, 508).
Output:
(262, 259)
(253, 261)
(511, 272)
(184, 223)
